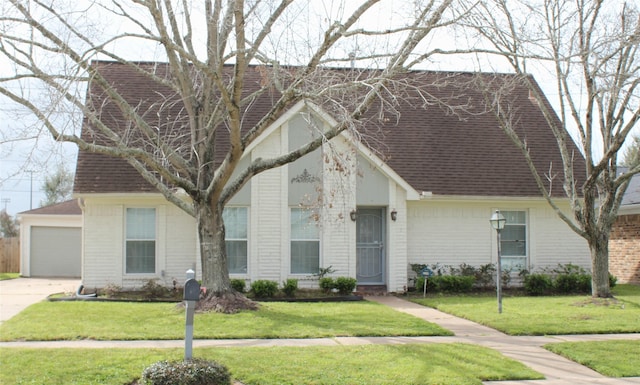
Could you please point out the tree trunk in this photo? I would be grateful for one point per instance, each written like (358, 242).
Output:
(599, 247)
(219, 295)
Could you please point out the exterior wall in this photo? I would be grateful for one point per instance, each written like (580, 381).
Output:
(27, 222)
(448, 232)
(103, 241)
(624, 249)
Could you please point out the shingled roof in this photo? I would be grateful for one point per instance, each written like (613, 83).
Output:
(434, 148)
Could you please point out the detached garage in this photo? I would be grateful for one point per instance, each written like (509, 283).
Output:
(51, 241)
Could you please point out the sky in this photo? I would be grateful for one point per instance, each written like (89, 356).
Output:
(25, 164)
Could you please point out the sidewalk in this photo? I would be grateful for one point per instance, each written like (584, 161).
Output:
(526, 349)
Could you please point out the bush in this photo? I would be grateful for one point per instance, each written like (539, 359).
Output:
(538, 284)
(193, 372)
(238, 285)
(152, 289)
(453, 283)
(289, 287)
(573, 283)
(264, 289)
(345, 285)
(613, 280)
(326, 284)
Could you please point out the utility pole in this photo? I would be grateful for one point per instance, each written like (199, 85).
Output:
(31, 190)
(5, 201)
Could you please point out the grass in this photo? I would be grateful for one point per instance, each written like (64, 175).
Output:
(5, 276)
(47, 321)
(610, 358)
(456, 364)
(547, 315)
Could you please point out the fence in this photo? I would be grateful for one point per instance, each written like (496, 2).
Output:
(10, 255)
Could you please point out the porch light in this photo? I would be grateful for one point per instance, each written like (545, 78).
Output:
(353, 214)
(394, 215)
(497, 222)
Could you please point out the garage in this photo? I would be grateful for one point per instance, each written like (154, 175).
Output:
(51, 241)
(55, 251)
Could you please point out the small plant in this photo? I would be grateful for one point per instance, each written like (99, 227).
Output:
(326, 284)
(537, 284)
(152, 289)
(192, 372)
(345, 285)
(111, 290)
(289, 287)
(238, 285)
(263, 288)
(324, 271)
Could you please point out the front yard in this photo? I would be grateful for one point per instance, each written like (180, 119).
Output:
(364, 364)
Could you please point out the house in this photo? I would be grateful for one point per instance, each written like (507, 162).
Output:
(624, 242)
(419, 186)
(51, 240)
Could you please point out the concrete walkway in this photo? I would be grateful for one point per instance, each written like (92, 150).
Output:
(16, 295)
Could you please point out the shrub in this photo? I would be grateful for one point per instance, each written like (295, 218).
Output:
(326, 284)
(193, 372)
(264, 289)
(289, 287)
(453, 283)
(152, 289)
(537, 284)
(238, 285)
(111, 290)
(345, 285)
(613, 280)
(573, 283)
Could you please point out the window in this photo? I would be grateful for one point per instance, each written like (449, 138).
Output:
(513, 240)
(305, 242)
(140, 241)
(235, 224)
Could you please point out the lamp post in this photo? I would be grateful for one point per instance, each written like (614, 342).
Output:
(497, 222)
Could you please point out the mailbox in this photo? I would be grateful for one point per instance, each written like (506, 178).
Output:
(191, 290)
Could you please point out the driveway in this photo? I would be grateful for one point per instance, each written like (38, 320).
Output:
(17, 294)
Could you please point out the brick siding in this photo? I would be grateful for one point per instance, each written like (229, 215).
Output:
(624, 249)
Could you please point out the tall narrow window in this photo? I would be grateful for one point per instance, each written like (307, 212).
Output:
(514, 240)
(305, 242)
(140, 241)
(235, 223)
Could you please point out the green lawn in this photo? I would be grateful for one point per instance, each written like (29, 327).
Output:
(161, 321)
(610, 358)
(547, 315)
(4, 276)
(459, 364)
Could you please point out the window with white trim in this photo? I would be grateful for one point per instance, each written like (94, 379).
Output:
(140, 241)
(513, 240)
(236, 240)
(305, 242)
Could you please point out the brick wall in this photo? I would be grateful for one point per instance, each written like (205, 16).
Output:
(624, 249)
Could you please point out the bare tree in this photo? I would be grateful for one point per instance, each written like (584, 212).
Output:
(209, 47)
(57, 187)
(590, 51)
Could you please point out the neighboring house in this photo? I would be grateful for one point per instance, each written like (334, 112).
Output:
(422, 191)
(51, 240)
(624, 242)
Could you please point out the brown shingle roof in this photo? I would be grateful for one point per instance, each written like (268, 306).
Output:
(463, 153)
(69, 207)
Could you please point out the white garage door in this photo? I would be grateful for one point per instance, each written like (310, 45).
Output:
(55, 251)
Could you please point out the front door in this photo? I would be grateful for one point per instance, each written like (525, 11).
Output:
(370, 246)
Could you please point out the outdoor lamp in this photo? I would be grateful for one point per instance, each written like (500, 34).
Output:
(353, 214)
(394, 215)
(497, 222)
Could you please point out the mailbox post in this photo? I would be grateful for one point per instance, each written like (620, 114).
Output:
(426, 273)
(191, 295)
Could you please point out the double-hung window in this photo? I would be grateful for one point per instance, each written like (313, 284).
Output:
(235, 224)
(305, 242)
(513, 240)
(140, 243)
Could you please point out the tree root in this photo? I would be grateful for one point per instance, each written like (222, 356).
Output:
(228, 303)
